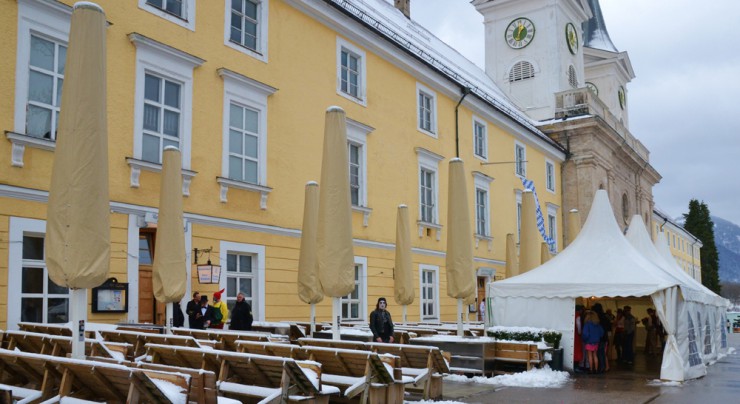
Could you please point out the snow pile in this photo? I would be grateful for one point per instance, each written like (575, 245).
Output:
(664, 383)
(544, 377)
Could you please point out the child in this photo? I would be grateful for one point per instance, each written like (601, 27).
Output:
(592, 333)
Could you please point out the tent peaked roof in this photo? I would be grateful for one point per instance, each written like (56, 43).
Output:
(638, 236)
(599, 262)
(661, 246)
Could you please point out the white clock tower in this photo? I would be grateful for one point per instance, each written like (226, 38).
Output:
(534, 49)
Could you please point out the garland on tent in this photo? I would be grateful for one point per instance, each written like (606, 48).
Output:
(528, 334)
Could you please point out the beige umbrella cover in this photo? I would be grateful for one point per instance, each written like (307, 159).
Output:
(459, 260)
(574, 225)
(334, 235)
(544, 253)
(512, 261)
(78, 217)
(403, 274)
(169, 271)
(529, 239)
(309, 288)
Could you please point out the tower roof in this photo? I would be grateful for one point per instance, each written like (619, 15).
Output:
(594, 30)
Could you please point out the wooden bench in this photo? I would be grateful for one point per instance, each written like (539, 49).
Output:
(242, 375)
(57, 345)
(51, 329)
(138, 340)
(507, 353)
(97, 381)
(225, 339)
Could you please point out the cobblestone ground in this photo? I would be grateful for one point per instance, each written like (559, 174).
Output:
(622, 384)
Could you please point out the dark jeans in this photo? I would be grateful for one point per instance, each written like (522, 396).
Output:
(627, 352)
(618, 338)
(601, 355)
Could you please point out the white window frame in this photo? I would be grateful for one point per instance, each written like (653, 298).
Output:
(258, 252)
(435, 289)
(361, 286)
(252, 94)
(477, 122)
(520, 163)
(262, 31)
(483, 182)
(172, 64)
(50, 20)
(550, 176)
(430, 162)
(518, 212)
(344, 45)
(186, 21)
(552, 225)
(422, 89)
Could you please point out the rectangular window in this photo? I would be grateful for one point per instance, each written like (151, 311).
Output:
(244, 144)
(240, 277)
(550, 176)
(428, 294)
(45, 78)
(351, 303)
(162, 117)
(245, 23)
(521, 160)
(481, 212)
(552, 225)
(426, 104)
(355, 173)
(42, 301)
(480, 140)
(173, 7)
(350, 77)
(426, 190)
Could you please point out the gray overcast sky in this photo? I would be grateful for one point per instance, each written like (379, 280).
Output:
(684, 104)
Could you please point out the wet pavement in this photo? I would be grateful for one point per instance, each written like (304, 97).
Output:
(622, 384)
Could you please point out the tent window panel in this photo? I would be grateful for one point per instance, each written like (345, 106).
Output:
(707, 338)
(694, 358)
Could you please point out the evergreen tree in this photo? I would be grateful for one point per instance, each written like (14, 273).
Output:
(699, 223)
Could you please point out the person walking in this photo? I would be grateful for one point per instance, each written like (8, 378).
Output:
(203, 315)
(592, 333)
(192, 309)
(381, 323)
(241, 314)
(220, 311)
(628, 339)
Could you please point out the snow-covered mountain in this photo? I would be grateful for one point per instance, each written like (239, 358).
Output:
(727, 239)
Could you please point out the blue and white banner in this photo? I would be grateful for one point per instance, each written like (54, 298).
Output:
(529, 184)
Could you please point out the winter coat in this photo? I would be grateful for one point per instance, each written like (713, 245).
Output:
(178, 320)
(592, 333)
(241, 316)
(201, 320)
(381, 325)
(223, 308)
(191, 310)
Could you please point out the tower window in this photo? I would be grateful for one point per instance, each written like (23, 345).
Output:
(521, 71)
(572, 78)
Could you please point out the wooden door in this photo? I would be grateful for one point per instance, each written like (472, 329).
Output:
(150, 311)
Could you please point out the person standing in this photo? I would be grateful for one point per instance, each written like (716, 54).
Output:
(482, 311)
(178, 320)
(592, 333)
(630, 324)
(381, 323)
(220, 311)
(619, 334)
(578, 340)
(241, 314)
(203, 315)
(606, 326)
(192, 309)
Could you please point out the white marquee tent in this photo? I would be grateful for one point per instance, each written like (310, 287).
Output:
(600, 262)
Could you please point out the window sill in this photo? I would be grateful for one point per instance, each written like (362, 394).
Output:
(432, 226)
(481, 237)
(356, 100)
(247, 51)
(20, 141)
(365, 213)
(426, 132)
(246, 186)
(138, 165)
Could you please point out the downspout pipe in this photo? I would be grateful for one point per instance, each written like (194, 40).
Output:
(465, 92)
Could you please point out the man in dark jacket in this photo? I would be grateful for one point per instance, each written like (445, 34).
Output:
(241, 314)
(606, 324)
(381, 323)
(203, 316)
(192, 308)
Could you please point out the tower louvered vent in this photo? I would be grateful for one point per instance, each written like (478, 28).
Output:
(521, 71)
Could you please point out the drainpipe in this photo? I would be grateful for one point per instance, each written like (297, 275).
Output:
(465, 92)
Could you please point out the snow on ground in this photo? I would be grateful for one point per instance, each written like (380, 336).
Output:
(433, 402)
(658, 382)
(544, 377)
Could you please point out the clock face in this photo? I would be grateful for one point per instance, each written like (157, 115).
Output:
(571, 36)
(622, 97)
(519, 33)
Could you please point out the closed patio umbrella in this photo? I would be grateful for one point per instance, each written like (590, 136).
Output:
(512, 261)
(529, 238)
(78, 213)
(459, 259)
(169, 270)
(309, 288)
(403, 276)
(334, 234)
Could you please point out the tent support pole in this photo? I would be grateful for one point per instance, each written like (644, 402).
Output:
(78, 315)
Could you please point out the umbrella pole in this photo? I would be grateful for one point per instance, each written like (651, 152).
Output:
(168, 313)
(313, 319)
(335, 313)
(404, 314)
(78, 315)
(460, 332)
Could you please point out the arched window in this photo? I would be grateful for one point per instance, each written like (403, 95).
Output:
(572, 78)
(521, 71)
(625, 208)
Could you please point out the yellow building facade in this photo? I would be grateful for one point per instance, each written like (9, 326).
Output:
(684, 246)
(241, 88)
